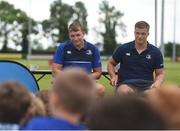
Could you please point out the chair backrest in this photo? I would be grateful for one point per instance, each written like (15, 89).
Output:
(11, 70)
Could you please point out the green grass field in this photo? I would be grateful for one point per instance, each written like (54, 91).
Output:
(172, 73)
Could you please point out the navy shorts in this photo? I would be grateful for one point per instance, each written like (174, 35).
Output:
(137, 84)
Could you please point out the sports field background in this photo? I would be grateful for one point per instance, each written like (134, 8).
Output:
(172, 71)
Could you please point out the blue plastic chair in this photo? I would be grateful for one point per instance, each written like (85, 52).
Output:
(11, 70)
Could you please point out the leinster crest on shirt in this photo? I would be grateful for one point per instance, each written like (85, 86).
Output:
(148, 56)
(89, 52)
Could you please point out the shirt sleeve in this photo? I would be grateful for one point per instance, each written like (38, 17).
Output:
(117, 54)
(159, 62)
(96, 60)
(58, 55)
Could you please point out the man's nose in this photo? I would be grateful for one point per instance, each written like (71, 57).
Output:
(75, 37)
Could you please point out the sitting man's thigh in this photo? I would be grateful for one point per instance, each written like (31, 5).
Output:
(124, 89)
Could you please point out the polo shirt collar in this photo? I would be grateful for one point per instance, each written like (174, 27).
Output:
(132, 46)
(148, 46)
(85, 45)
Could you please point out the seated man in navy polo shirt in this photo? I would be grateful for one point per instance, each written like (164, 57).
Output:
(77, 52)
(138, 60)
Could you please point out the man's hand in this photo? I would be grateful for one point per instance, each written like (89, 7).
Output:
(56, 68)
(96, 74)
(152, 86)
(113, 81)
(111, 70)
(155, 85)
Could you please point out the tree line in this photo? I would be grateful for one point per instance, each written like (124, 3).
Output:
(14, 25)
(17, 28)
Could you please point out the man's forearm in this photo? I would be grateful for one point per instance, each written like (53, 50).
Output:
(111, 70)
(96, 75)
(159, 80)
(56, 68)
(112, 73)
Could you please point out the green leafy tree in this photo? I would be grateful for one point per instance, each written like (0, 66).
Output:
(25, 34)
(168, 49)
(61, 15)
(178, 49)
(14, 20)
(80, 14)
(8, 22)
(50, 31)
(110, 18)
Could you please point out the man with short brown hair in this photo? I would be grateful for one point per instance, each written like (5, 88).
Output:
(77, 52)
(15, 102)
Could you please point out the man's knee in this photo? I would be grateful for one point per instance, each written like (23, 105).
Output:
(100, 89)
(124, 89)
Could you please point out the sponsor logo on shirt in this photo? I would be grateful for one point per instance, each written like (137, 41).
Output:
(148, 56)
(69, 52)
(128, 54)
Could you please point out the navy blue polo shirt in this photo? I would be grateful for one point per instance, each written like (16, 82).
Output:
(137, 66)
(87, 58)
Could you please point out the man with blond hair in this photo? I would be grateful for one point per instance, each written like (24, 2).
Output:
(141, 63)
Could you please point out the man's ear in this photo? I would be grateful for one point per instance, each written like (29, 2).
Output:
(83, 33)
(69, 35)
